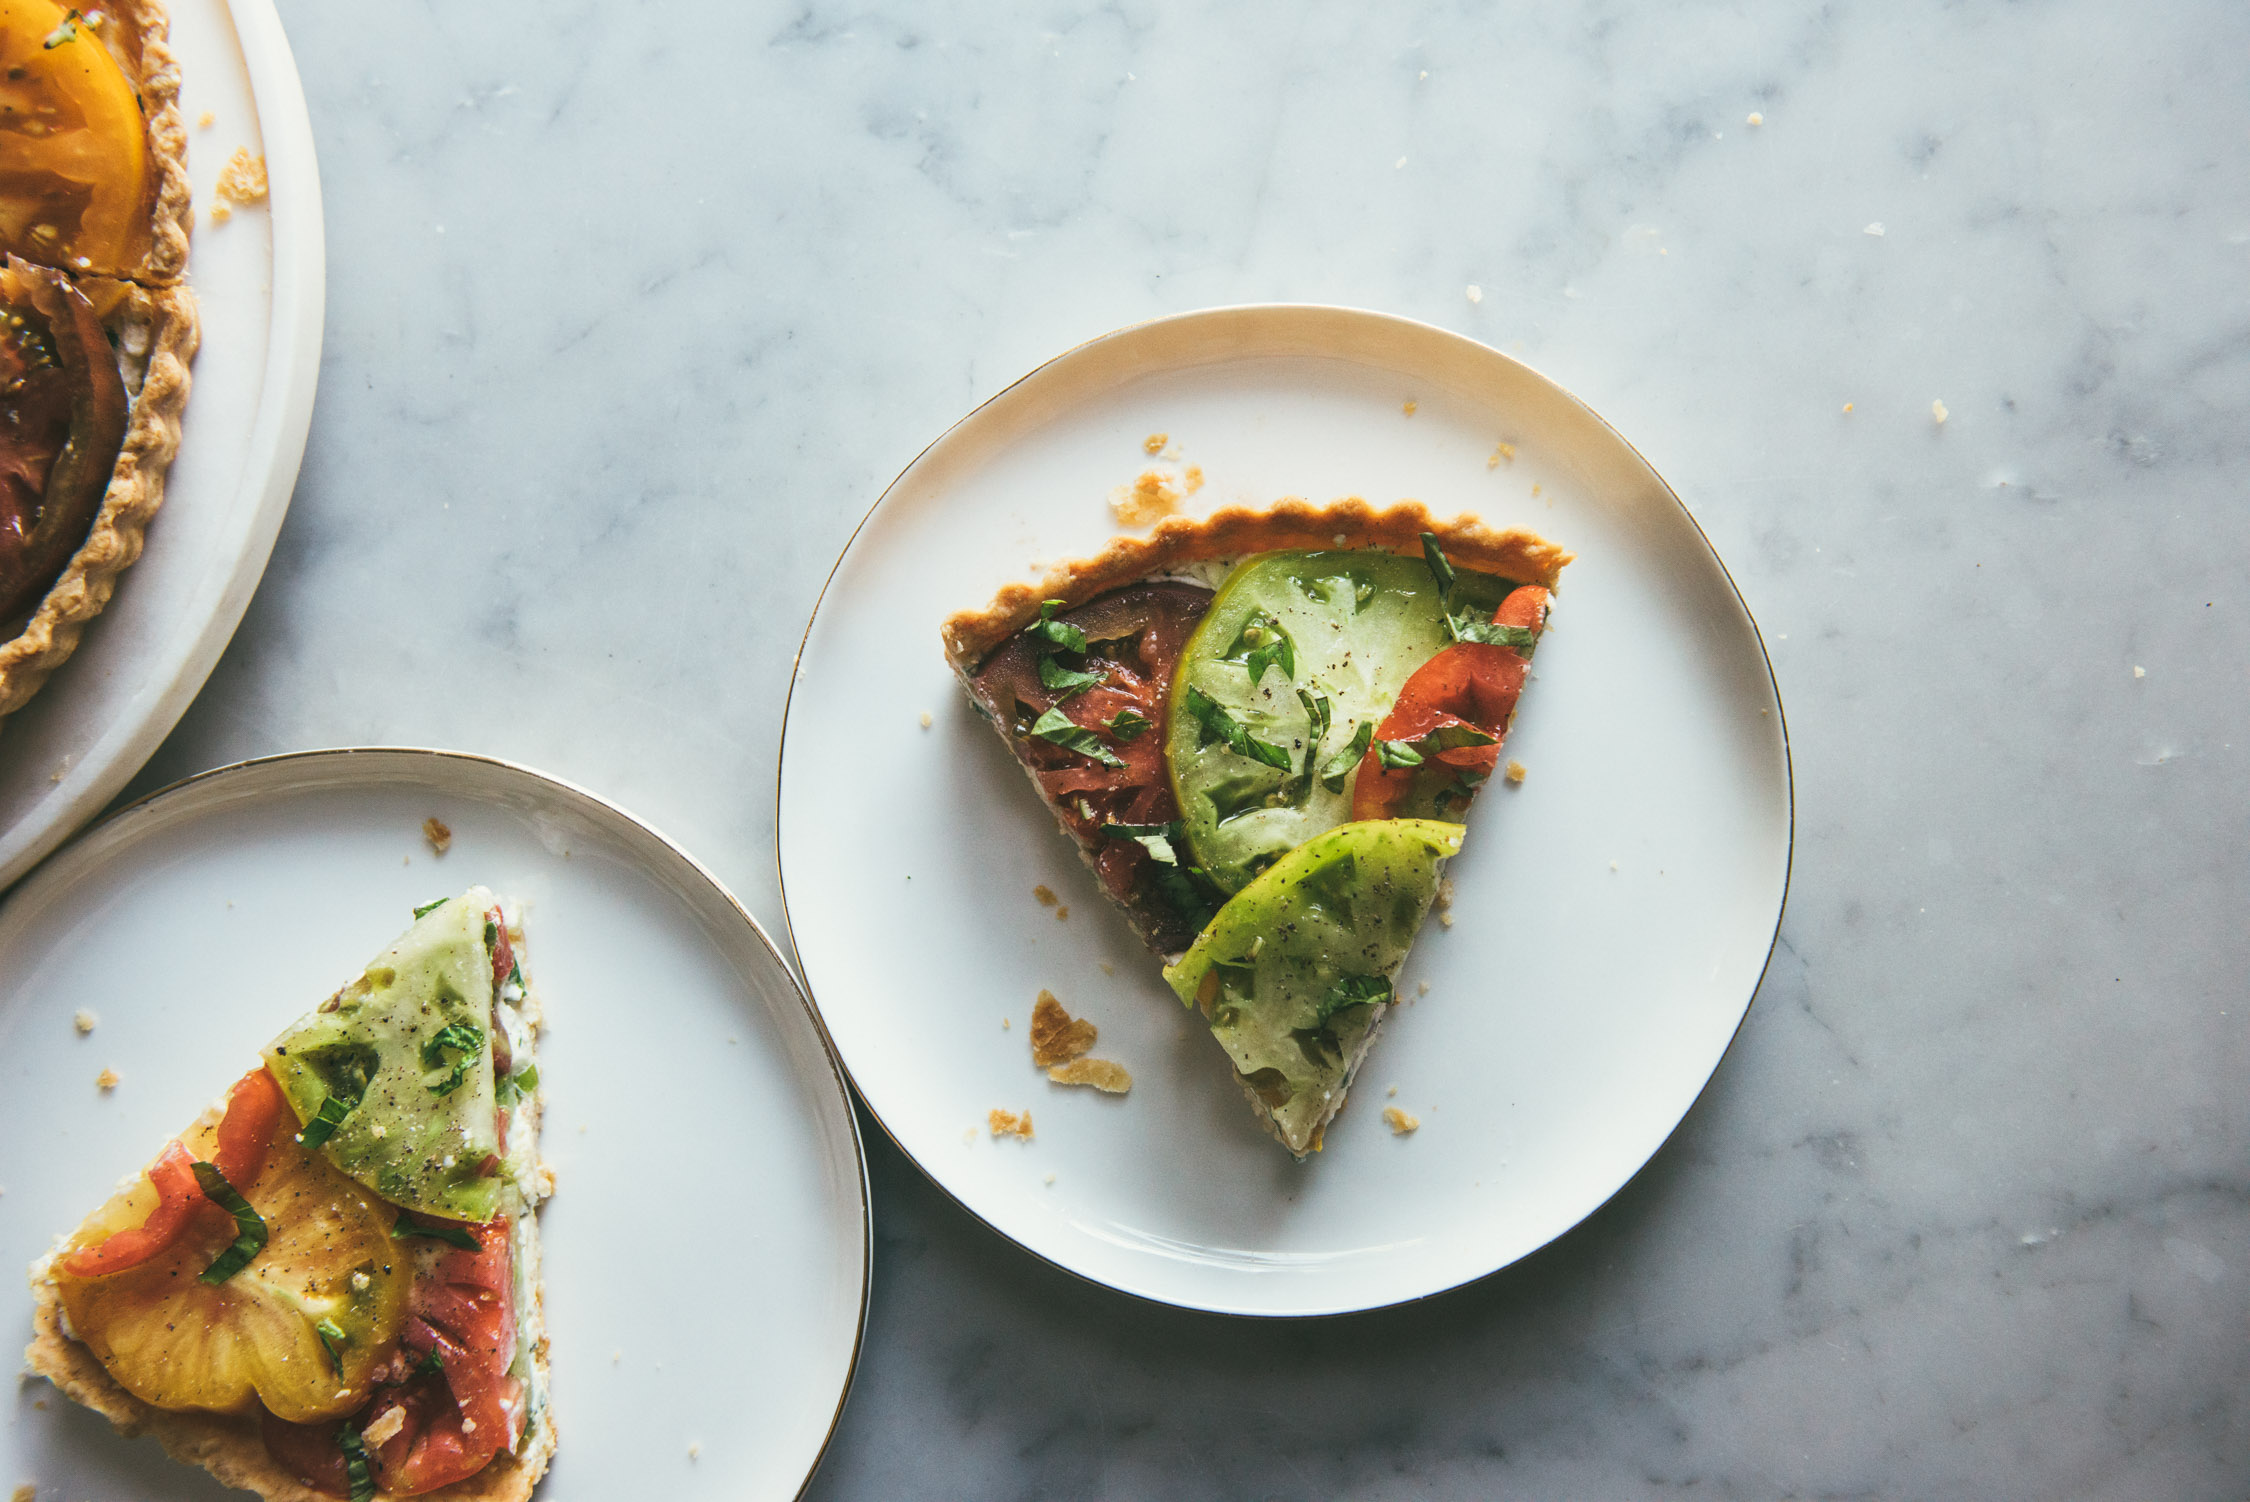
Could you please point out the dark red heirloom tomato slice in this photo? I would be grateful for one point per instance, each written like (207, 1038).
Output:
(462, 1311)
(253, 1105)
(1469, 683)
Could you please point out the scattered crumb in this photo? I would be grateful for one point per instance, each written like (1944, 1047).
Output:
(1445, 920)
(1938, 414)
(1875, 229)
(1501, 451)
(204, 120)
(440, 837)
(1535, 490)
(243, 179)
(1476, 293)
(1008, 1123)
(1444, 892)
(1421, 988)
(85, 1020)
(692, 1450)
(1408, 409)
(1756, 118)
(393, 1420)
(1613, 865)
(1046, 897)
(27, 1492)
(1392, 1091)
(220, 213)
(2138, 672)
(107, 1079)
(969, 1134)
(1108, 968)
(1194, 478)
(1516, 771)
(1149, 499)
(1005, 1024)
(616, 1356)
(1847, 406)
(925, 719)
(1154, 443)
(1399, 1122)
(1401, 162)
(1062, 915)
(1056, 1036)
(1050, 1179)
(1100, 1073)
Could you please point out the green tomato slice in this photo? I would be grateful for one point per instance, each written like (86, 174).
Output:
(1332, 638)
(1298, 967)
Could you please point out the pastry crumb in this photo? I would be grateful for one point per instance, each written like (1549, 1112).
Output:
(926, 721)
(1008, 1124)
(1062, 914)
(242, 180)
(1056, 1036)
(1006, 1023)
(1050, 1179)
(1847, 406)
(1756, 118)
(1501, 451)
(1476, 293)
(1399, 1122)
(1147, 500)
(1421, 988)
(1535, 490)
(439, 836)
(1108, 968)
(1875, 229)
(1046, 897)
(205, 120)
(107, 1079)
(2138, 672)
(1392, 1091)
(1408, 409)
(1516, 771)
(1445, 920)
(1154, 443)
(86, 1021)
(27, 1492)
(1102, 1074)
(220, 213)
(1444, 893)
(1194, 478)
(693, 1450)
(1938, 414)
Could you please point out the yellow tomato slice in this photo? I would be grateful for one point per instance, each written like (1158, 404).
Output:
(74, 166)
(176, 1342)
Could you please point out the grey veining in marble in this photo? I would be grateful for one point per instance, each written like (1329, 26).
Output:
(633, 311)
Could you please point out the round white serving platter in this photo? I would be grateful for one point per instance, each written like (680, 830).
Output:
(259, 286)
(1614, 912)
(707, 1246)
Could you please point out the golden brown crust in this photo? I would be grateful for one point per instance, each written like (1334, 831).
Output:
(166, 317)
(1238, 532)
(139, 37)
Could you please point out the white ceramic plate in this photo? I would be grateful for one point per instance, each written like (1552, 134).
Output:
(1614, 914)
(707, 1245)
(258, 279)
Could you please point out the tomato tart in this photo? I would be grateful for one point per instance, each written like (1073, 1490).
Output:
(1262, 730)
(328, 1285)
(97, 325)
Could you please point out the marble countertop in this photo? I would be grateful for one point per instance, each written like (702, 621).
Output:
(633, 312)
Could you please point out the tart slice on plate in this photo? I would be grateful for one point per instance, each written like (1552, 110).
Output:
(328, 1284)
(1262, 730)
(96, 323)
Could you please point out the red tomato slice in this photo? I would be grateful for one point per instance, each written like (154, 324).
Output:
(1469, 683)
(463, 1312)
(253, 1106)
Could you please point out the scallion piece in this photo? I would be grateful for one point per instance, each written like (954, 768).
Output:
(250, 1226)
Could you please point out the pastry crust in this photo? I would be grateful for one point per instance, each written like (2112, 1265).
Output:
(162, 321)
(139, 36)
(1238, 531)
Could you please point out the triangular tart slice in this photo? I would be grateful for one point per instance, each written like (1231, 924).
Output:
(328, 1285)
(1261, 730)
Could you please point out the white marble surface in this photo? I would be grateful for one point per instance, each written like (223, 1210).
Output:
(632, 312)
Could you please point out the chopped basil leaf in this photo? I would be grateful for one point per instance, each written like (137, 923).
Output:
(1188, 891)
(1062, 682)
(1156, 839)
(1397, 755)
(333, 1340)
(1338, 767)
(1218, 725)
(433, 1364)
(1126, 725)
(1058, 727)
(250, 1226)
(1056, 633)
(1492, 633)
(450, 1235)
(1262, 644)
(357, 1471)
(1354, 991)
(1316, 711)
(457, 1038)
(431, 907)
(333, 1110)
(1440, 569)
(518, 1086)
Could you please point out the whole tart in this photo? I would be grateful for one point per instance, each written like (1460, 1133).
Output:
(94, 221)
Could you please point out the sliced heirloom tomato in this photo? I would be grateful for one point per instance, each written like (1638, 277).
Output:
(301, 1328)
(75, 178)
(1469, 685)
(1134, 637)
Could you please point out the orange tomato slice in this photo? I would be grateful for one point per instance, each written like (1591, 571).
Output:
(301, 1329)
(75, 179)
